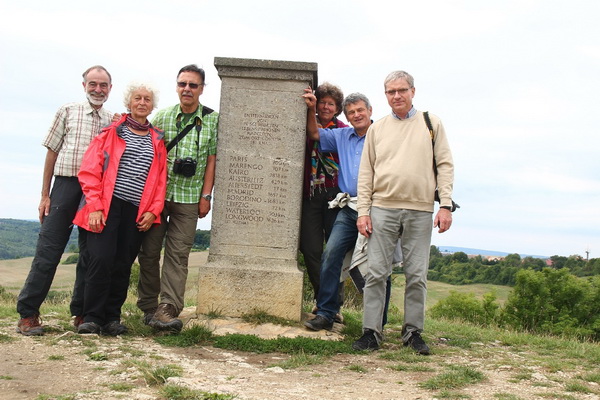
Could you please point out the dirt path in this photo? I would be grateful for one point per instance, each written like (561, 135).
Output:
(61, 364)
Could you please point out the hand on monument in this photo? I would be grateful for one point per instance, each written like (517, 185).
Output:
(364, 225)
(310, 99)
(443, 220)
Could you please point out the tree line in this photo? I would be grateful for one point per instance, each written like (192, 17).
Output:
(460, 269)
(561, 298)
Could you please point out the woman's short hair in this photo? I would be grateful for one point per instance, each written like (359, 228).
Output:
(133, 86)
(327, 89)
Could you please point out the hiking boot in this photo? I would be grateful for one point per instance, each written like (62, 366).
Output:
(165, 319)
(415, 341)
(339, 318)
(30, 326)
(367, 342)
(319, 322)
(88, 327)
(148, 315)
(78, 320)
(113, 328)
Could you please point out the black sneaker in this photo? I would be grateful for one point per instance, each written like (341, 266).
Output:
(319, 322)
(367, 342)
(415, 341)
(88, 327)
(114, 328)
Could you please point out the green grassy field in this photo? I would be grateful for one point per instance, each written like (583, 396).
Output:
(437, 291)
(14, 272)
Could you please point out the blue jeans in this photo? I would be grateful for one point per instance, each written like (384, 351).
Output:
(342, 239)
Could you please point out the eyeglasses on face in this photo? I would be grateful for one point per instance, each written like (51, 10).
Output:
(190, 84)
(399, 91)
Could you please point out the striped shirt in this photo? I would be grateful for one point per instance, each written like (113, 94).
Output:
(133, 166)
(197, 145)
(73, 128)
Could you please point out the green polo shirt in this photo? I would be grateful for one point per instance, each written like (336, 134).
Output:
(197, 145)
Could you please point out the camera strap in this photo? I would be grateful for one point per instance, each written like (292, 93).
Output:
(185, 131)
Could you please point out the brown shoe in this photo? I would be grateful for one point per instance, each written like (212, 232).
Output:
(30, 326)
(148, 315)
(78, 320)
(165, 318)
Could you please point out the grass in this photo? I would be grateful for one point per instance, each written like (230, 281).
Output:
(300, 360)
(356, 368)
(121, 387)
(193, 336)
(285, 345)
(456, 376)
(155, 376)
(173, 392)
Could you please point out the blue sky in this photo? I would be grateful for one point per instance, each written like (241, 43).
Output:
(515, 83)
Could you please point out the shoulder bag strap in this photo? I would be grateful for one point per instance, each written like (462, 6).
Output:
(181, 135)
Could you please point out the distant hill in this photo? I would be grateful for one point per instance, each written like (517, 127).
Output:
(452, 249)
(18, 238)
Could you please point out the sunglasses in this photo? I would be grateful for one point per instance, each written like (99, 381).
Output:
(190, 84)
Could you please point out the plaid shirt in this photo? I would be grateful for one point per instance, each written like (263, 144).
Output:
(73, 128)
(197, 145)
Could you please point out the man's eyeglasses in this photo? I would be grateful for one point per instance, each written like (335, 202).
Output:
(190, 84)
(399, 91)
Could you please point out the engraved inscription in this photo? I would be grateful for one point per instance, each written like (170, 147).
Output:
(260, 128)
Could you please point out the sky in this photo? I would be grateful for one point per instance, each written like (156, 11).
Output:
(515, 84)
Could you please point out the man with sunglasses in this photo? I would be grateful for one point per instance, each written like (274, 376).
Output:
(191, 139)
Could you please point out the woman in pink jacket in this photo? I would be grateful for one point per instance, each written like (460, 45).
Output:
(123, 178)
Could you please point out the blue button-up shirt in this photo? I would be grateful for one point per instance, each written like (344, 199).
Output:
(349, 147)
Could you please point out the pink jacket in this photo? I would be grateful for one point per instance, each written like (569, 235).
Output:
(98, 175)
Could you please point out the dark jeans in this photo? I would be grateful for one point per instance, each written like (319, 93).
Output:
(342, 239)
(52, 240)
(315, 228)
(111, 254)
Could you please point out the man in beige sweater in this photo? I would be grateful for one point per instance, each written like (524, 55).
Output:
(396, 186)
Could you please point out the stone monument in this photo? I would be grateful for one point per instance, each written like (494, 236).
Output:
(252, 263)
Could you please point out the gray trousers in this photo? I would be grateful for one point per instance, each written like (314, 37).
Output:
(177, 229)
(415, 228)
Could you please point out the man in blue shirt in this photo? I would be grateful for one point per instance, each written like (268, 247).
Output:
(348, 143)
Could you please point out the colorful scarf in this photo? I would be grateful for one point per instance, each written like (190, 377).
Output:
(323, 165)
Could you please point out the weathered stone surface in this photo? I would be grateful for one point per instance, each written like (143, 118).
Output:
(258, 190)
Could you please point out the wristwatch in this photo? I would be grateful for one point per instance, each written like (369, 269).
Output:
(447, 208)
(207, 197)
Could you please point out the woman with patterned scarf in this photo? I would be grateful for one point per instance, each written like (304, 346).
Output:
(320, 185)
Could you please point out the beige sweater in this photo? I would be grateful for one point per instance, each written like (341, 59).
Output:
(396, 168)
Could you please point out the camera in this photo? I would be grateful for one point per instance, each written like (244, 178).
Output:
(185, 166)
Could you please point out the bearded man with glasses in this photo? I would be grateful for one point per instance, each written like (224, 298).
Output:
(191, 140)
